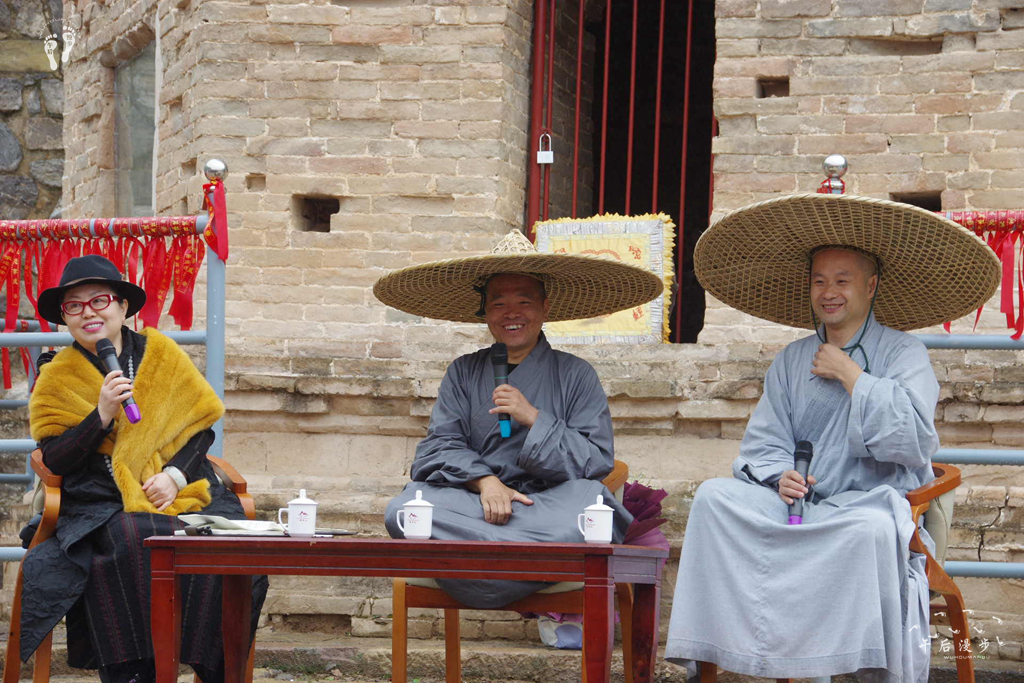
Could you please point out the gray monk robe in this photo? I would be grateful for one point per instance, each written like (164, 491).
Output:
(557, 463)
(840, 593)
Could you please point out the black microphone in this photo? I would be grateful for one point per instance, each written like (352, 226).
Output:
(108, 355)
(802, 456)
(499, 358)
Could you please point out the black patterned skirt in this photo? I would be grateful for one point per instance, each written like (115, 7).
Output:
(110, 621)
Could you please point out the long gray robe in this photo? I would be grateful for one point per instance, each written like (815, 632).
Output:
(840, 593)
(557, 463)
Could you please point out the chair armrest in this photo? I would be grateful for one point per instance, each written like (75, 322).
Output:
(51, 499)
(234, 481)
(946, 479)
(39, 467)
(618, 476)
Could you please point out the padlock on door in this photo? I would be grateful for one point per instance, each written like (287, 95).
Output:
(545, 156)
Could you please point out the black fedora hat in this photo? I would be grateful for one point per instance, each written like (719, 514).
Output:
(85, 270)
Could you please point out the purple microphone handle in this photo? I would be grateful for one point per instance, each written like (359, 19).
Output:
(795, 519)
(133, 412)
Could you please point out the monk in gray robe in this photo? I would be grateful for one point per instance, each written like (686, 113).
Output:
(841, 592)
(532, 485)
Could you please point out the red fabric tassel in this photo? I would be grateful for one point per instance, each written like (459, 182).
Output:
(157, 278)
(216, 232)
(187, 256)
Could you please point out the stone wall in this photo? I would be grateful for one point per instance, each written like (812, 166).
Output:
(924, 97)
(31, 108)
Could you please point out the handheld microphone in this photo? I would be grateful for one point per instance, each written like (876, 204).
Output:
(108, 355)
(802, 456)
(499, 359)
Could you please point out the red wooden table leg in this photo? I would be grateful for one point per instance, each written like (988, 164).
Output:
(165, 603)
(236, 612)
(598, 622)
(645, 630)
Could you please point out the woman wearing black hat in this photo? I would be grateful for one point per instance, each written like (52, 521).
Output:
(122, 482)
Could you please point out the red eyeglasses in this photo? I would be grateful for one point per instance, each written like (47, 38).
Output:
(97, 303)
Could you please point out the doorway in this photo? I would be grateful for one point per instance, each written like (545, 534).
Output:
(623, 89)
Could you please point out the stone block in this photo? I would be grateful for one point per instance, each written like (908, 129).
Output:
(803, 46)
(800, 125)
(505, 630)
(757, 28)
(10, 94)
(18, 196)
(755, 144)
(23, 56)
(1002, 40)
(1001, 81)
(943, 24)
(905, 124)
(820, 85)
(957, 104)
(874, 8)
(950, 61)
(867, 104)
(970, 142)
(947, 163)
(328, 15)
(963, 412)
(848, 144)
(927, 83)
(902, 144)
(964, 432)
(847, 64)
(839, 28)
(725, 9)
(784, 9)
(10, 149)
(48, 172)
(44, 133)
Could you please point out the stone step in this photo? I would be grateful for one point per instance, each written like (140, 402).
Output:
(291, 656)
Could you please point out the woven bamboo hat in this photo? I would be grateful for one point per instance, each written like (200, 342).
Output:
(757, 259)
(578, 286)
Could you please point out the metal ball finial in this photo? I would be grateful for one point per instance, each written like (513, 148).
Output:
(835, 166)
(215, 169)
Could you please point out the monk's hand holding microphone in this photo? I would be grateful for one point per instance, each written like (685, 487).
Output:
(793, 484)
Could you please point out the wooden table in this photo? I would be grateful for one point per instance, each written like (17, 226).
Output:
(598, 566)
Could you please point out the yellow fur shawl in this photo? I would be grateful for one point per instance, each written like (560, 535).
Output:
(176, 403)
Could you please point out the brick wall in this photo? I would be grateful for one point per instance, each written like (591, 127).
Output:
(412, 117)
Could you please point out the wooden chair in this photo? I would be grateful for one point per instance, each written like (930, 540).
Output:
(935, 501)
(51, 508)
(561, 597)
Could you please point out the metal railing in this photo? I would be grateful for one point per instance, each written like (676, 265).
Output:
(978, 456)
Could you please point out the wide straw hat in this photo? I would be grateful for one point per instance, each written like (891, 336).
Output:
(578, 286)
(757, 259)
(86, 270)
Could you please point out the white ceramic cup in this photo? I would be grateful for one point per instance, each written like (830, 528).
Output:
(595, 522)
(301, 516)
(416, 517)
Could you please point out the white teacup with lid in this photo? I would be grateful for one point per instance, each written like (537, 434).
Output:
(301, 516)
(595, 522)
(418, 517)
